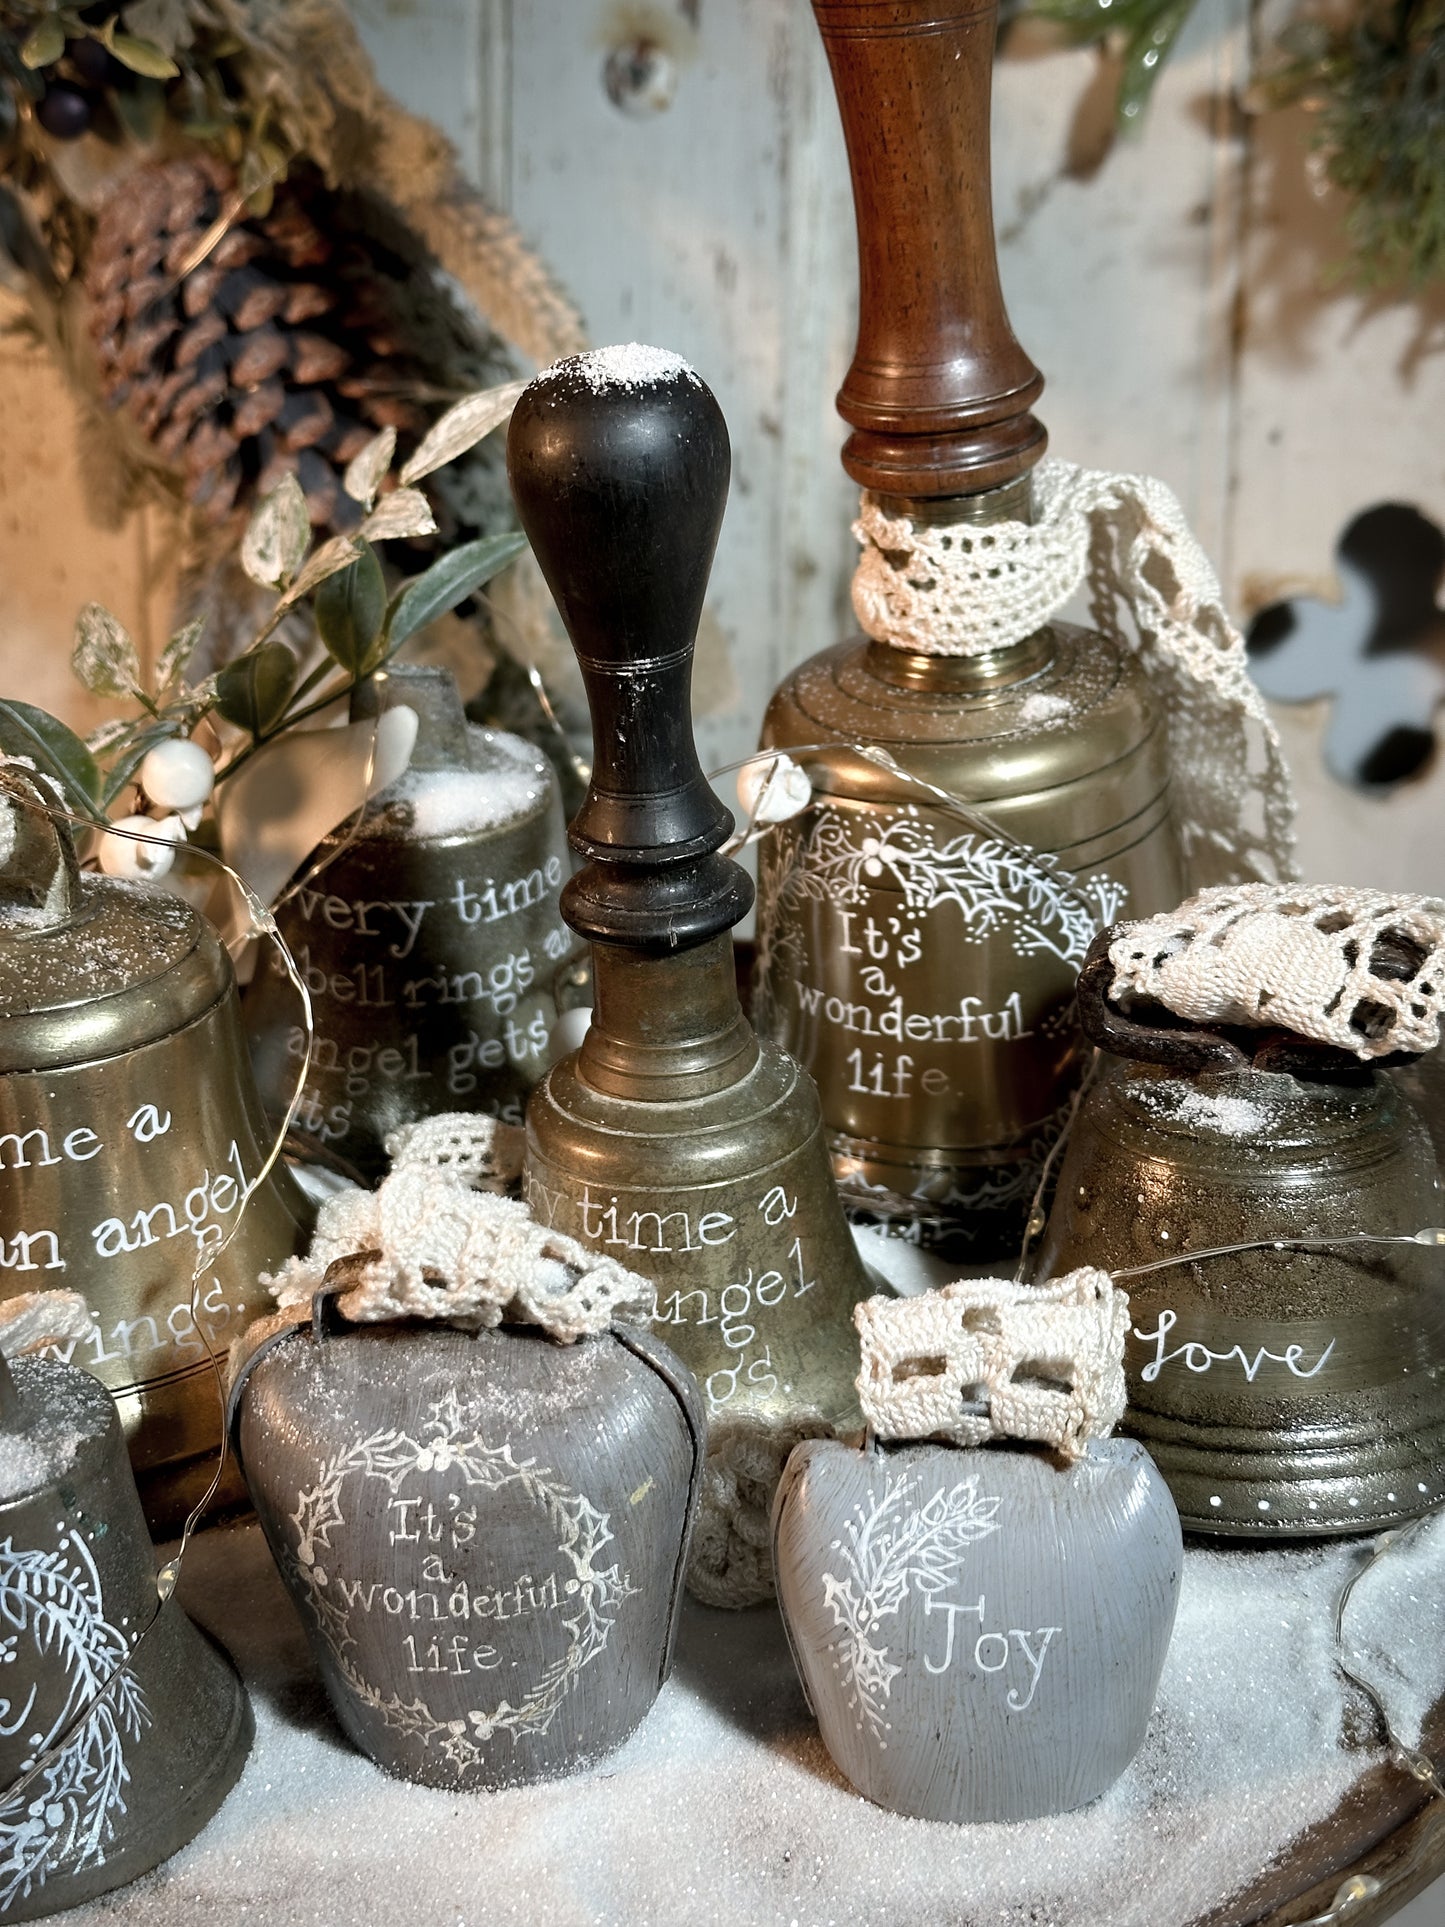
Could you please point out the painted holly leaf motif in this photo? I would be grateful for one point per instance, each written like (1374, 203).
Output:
(582, 1531)
(888, 1550)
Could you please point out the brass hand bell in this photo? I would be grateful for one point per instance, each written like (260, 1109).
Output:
(673, 1139)
(130, 1136)
(429, 940)
(1297, 1386)
(919, 968)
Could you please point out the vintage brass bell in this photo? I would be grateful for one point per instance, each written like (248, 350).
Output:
(92, 1799)
(1289, 1389)
(428, 941)
(919, 968)
(130, 1135)
(673, 1139)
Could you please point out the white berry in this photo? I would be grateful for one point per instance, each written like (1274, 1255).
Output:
(773, 788)
(123, 856)
(177, 775)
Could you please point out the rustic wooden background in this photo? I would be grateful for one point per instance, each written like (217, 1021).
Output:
(1181, 302)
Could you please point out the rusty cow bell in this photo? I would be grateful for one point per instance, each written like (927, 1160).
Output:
(1296, 1387)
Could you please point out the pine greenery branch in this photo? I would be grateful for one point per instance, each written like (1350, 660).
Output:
(1382, 130)
(1375, 78)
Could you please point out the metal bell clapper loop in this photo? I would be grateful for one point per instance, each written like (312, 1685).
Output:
(674, 1139)
(1295, 1387)
(919, 971)
(428, 935)
(131, 1139)
(98, 1784)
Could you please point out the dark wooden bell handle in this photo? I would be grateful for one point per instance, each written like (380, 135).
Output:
(619, 466)
(939, 394)
(1153, 1035)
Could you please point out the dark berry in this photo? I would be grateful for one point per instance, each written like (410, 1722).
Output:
(64, 113)
(92, 63)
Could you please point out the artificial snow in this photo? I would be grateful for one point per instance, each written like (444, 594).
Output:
(508, 782)
(631, 364)
(725, 1808)
(1230, 1116)
(1044, 707)
(58, 1411)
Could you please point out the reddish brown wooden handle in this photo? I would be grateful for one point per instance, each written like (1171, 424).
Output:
(939, 392)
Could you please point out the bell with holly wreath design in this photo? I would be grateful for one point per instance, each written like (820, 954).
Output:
(490, 1587)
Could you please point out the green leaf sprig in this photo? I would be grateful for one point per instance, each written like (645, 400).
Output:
(261, 692)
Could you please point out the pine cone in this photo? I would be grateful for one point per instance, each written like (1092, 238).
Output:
(283, 348)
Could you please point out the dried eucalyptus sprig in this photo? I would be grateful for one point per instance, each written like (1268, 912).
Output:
(262, 692)
(1144, 31)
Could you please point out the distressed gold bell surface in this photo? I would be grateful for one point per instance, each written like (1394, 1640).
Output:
(673, 1140)
(428, 939)
(923, 970)
(130, 1133)
(90, 1800)
(919, 966)
(1281, 1391)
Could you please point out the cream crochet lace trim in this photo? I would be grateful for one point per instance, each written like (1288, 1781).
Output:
(428, 1243)
(996, 1360)
(1363, 970)
(966, 589)
(34, 1319)
(732, 1550)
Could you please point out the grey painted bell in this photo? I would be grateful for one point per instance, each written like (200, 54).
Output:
(485, 1533)
(981, 1627)
(92, 1799)
(980, 1633)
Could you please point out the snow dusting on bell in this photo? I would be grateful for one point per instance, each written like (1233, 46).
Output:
(630, 364)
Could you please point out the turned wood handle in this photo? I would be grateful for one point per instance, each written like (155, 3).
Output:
(939, 394)
(620, 479)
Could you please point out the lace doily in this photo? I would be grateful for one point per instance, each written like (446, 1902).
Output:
(34, 1319)
(427, 1243)
(1363, 970)
(965, 589)
(995, 1360)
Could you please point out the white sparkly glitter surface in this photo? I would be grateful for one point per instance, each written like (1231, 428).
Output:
(630, 364)
(724, 1808)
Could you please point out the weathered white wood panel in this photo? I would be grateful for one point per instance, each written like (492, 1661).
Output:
(1174, 301)
(721, 226)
